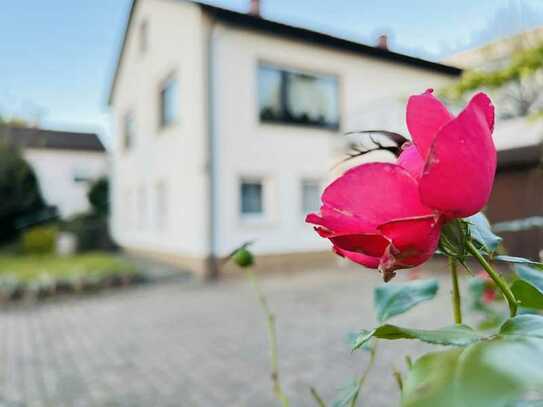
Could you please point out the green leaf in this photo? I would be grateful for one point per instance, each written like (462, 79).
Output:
(347, 394)
(396, 298)
(527, 294)
(480, 230)
(519, 260)
(493, 372)
(457, 335)
(530, 274)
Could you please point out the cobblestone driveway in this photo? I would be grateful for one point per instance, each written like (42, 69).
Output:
(191, 345)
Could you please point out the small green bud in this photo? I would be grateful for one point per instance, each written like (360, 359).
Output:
(243, 258)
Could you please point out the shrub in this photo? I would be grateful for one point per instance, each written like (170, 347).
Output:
(91, 231)
(22, 202)
(39, 240)
(98, 196)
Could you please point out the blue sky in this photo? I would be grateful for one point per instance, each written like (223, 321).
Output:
(57, 56)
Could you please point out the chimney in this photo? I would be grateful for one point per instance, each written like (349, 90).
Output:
(382, 41)
(254, 8)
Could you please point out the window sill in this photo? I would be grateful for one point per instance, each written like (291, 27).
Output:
(255, 221)
(288, 123)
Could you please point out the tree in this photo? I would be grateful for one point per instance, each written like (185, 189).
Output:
(520, 83)
(22, 202)
(98, 196)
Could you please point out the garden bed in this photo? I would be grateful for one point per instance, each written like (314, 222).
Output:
(39, 277)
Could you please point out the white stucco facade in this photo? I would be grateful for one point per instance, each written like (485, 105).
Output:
(65, 175)
(216, 67)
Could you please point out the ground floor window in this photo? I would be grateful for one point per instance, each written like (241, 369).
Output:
(311, 191)
(251, 197)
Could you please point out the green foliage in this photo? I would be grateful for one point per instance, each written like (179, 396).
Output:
(21, 201)
(480, 231)
(528, 289)
(98, 196)
(523, 64)
(454, 236)
(492, 372)
(528, 295)
(347, 394)
(519, 261)
(457, 335)
(396, 298)
(91, 231)
(45, 273)
(39, 240)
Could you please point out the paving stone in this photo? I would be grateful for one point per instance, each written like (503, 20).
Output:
(184, 344)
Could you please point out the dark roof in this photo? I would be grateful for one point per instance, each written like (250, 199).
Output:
(520, 157)
(300, 34)
(26, 137)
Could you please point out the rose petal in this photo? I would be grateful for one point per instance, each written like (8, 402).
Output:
(331, 222)
(426, 115)
(367, 261)
(373, 194)
(460, 169)
(369, 244)
(411, 160)
(414, 241)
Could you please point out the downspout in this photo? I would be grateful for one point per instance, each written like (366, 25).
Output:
(212, 263)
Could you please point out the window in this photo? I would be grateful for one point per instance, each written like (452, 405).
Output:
(81, 175)
(299, 98)
(311, 190)
(144, 36)
(168, 102)
(128, 130)
(161, 206)
(251, 197)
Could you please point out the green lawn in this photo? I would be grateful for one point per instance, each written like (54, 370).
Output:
(48, 273)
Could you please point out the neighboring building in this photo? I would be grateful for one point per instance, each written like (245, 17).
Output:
(228, 125)
(65, 164)
(516, 206)
(496, 54)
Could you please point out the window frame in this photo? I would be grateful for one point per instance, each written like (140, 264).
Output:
(252, 215)
(170, 80)
(319, 184)
(286, 118)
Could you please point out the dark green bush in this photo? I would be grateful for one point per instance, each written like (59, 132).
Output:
(91, 231)
(39, 240)
(22, 203)
(98, 196)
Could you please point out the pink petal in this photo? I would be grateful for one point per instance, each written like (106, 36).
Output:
(367, 261)
(414, 241)
(426, 115)
(374, 194)
(369, 244)
(460, 169)
(411, 160)
(331, 222)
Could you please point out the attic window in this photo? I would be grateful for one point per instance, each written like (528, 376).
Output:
(144, 34)
(294, 97)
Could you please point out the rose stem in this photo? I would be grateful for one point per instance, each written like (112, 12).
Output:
(272, 335)
(500, 282)
(457, 304)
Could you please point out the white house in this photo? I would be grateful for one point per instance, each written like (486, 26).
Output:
(65, 164)
(227, 126)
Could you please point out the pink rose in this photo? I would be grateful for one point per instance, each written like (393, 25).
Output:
(389, 216)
